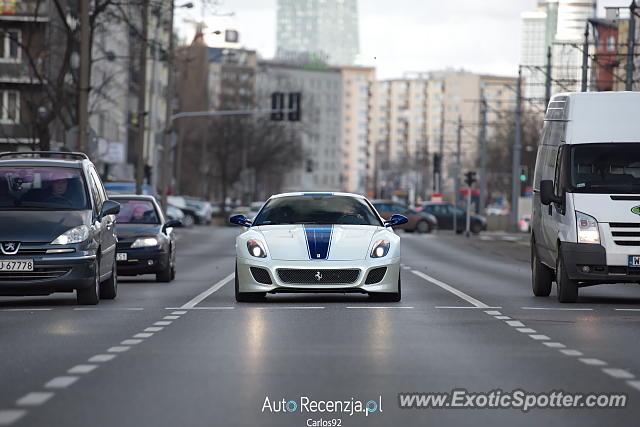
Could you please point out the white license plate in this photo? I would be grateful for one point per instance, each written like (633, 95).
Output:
(16, 265)
(634, 260)
(121, 256)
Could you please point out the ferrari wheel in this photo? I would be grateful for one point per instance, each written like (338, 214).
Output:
(246, 296)
(390, 296)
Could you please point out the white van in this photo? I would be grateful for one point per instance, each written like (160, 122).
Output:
(586, 209)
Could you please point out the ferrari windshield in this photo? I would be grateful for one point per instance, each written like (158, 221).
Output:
(605, 168)
(317, 209)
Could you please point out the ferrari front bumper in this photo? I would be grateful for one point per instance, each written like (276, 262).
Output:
(247, 281)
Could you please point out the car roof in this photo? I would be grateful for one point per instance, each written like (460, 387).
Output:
(133, 197)
(316, 193)
(59, 163)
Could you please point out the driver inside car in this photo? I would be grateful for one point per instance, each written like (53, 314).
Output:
(59, 184)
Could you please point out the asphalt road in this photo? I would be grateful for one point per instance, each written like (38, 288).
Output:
(187, 354)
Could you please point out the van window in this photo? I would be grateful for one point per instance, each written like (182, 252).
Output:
(605, 168)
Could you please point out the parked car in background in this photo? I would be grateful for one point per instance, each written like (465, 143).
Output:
(174, 213)
(445, 212)
(524, 224)
(122, 187)
(190, 215)
(499, 210)
(146, 241)
(422, 222)
(202, 208)
(57, 227)
(254, 208)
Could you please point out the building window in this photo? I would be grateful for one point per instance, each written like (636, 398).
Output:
(10, 45)
(9, 106)
(611, 43)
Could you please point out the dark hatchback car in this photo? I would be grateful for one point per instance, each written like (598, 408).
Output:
(421, 222)
(146, 241)
(57, 231)
(445, 212)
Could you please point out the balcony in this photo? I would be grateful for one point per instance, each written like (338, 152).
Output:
(24, 10)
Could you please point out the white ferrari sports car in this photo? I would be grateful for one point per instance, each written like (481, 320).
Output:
(318, 242)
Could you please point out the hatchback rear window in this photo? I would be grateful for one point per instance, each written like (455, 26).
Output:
(43, 188)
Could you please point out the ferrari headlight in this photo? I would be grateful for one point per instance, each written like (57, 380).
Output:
(256, 249)
(144, 242)
(587, 228)
(74, 235)
(380, 249)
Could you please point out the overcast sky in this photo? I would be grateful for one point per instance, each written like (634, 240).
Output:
(404, 35)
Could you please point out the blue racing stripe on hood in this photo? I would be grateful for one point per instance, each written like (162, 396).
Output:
(318, 240)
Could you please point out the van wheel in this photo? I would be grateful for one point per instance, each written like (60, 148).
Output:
(541, 275)
(567, 288)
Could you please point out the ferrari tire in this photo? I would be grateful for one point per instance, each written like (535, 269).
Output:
(389, 296)
(246, 296)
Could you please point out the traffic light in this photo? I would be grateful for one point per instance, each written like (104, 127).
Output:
(436, 162)
(277, 106)
(470, 178)
(294, 106)
(524, 172)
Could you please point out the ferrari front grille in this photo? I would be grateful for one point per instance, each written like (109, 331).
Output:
(318, 276)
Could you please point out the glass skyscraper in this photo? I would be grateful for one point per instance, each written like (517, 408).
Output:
(325, 30)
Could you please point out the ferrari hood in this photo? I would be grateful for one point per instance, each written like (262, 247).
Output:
(318, 242)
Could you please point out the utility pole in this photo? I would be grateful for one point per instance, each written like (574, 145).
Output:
(456, 180)
(441, 143)
(483, 151)
(85, 84)
(631, 45)
(585, 58)
(515, 165)
(165, 175)
(142, 88)
(547, 83)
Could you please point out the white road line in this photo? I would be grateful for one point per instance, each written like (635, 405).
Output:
(82, 369)
(163, 323)
(118, 349)
(179, 312)
(451, 289)
(199, 298)
(618, 373)
(34, 398)
(515, 323)
(61, 382)
(10, 416)
(465, 307)
(171, 317)
(634, 384)
(554, 344)
(375, 307)
(493, 313)
(131, 342)
(143, 335)
(27, 309)
(203, 308)
(627, 309)
(510, 238)
(526, 330)
(592, 362)
(557, 308)
(569, 352)
(101, 358)
(501, 317)
(540, 337)
(154, 329)
(485, 238)
(289, 308)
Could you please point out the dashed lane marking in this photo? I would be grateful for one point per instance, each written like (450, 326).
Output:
(143, 335)
(171, 317)
(465, 307)
(557, 308)
(82, 369)
(61, 382)
(571, 352)
(118, 349)
(515, 323)
(526, 330)
(290, 308)
(503, 317)
(131, 342)
(101, 358)
(162, 323)
(592, 362)
(154, 329)
(10, 416)
(554, 344)
(34, 398)
(539, 337)
(377, 307)
(203, 308)
(618, 373)
(27, 309)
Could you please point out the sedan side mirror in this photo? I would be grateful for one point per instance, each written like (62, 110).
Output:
(171, 224)
(547, 195)
(396, 220)
(109, 207)
(240, 220)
